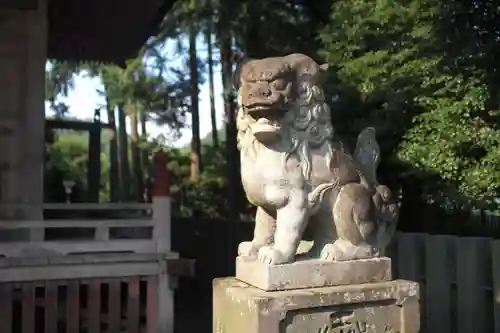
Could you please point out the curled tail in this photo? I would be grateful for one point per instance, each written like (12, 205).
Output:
(386, 212)
(316, 196)
(367, 155)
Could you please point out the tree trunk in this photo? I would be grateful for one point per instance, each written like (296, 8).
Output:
(144, 132)
(234, 182)
(114, 180)
(196, 163)
(233, 157)
(145, 156)
(136, 156)
(124, 169)
(213, 114)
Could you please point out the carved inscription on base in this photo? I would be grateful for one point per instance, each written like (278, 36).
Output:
(379, 317)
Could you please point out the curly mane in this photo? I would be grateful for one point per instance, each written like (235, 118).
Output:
(305, 127)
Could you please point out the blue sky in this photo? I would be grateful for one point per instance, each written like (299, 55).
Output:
(84, 99)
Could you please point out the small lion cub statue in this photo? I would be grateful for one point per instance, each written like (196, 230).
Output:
(299, 175)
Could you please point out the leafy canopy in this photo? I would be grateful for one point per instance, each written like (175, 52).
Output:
(401, 66)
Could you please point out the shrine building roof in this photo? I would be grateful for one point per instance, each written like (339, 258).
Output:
(99, 30)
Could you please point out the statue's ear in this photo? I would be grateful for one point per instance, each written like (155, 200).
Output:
(237, 72)
(322, 74)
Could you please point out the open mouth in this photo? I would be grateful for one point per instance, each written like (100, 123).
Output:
(265, 130)
(268, 112)
(266, 123)
(259, 108)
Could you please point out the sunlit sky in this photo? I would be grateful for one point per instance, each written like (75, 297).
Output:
(84, 98)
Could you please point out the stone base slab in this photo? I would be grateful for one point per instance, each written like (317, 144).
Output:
(311, 273)
(384, 307)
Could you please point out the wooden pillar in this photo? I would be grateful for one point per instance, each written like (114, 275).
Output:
(162, 236)
(23, 43)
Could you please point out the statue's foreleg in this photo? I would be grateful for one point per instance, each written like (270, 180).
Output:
(265, 226)
(291, 221)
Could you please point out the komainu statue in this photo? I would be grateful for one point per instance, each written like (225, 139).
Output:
(297, 172)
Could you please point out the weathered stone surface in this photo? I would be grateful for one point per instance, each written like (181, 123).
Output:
(384, 307)
(312, 273)
(286, 139)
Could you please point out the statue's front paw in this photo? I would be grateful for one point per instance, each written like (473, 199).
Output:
(331, 252)
(248, 249)
(270, 256)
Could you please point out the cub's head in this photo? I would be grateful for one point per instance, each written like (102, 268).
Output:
(270, 88)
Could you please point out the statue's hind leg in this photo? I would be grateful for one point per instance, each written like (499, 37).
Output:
(343, 250)
(265, 225)
(354, 222)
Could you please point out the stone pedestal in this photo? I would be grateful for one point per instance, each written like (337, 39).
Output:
(383, 307)
(315, 296)
(311, 273)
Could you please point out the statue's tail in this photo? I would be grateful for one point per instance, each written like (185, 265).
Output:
(386, 223)
(316, 196)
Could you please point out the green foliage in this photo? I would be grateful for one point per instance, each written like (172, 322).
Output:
(393, 68)
(67, 158)
(58, 82)
(69, 155)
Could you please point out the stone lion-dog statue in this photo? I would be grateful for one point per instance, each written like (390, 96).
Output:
(298, 174)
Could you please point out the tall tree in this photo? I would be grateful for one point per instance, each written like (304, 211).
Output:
(58, 82)
(136, 153)
(114, 179)
(210, 64)
(422, 72)
(196, 163)
(234, 193)
(123, 161)
(144, 152)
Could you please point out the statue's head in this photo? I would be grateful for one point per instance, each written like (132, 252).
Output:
(270, 89)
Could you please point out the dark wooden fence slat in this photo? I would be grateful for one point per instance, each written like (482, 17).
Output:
(73, 307)
(6, 307)
(409, 254)
(28, 308)
(51, 306)
(438, 283)
(471, 296)
(411, 265)
(114, 306)
(495, 254)
(94, 306)
(133, 306)
(152, 304)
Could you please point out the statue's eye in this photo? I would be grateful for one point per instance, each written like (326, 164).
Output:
(278, 84)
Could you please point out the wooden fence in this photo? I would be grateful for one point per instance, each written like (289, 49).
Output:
(77, 306)
(83, 275)
(459, 279)
(117, 275)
